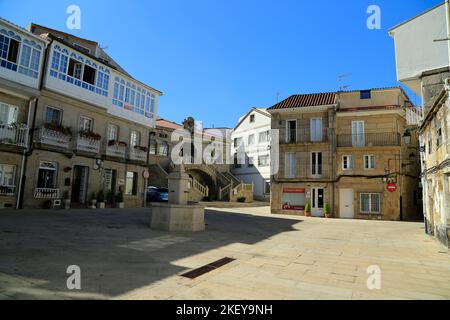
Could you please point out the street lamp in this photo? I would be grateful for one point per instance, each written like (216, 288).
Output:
(407, 137)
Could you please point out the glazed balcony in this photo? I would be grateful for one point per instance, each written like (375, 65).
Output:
(16, 135)
(54, 136)
(88, 143)
(137, 154)
(116, 149)
(46, 193)
(380, 139)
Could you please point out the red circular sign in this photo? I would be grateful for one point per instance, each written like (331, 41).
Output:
(392, 187)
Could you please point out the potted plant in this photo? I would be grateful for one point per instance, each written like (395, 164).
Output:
(110, 197)
(101, 199)
(327, 211)
(93, 200)
(66, 199)
(308, 210)
(119, 200)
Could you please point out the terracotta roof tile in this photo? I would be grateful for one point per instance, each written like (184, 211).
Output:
(306, 100)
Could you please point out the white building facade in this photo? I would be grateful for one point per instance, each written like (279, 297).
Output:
(422, 46)
(251, 150)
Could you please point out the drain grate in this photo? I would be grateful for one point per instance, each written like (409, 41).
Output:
(208, 268)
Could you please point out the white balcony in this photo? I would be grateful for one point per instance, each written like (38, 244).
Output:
(14, 135)
(86, 144)
(46, 193)
(54, 138)
(115, 150)
(8, 191)
(138, 155)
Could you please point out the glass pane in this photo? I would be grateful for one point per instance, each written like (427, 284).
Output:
(365, 199)
(375, 202)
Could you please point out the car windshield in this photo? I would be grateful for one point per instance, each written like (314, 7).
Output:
(163, 190)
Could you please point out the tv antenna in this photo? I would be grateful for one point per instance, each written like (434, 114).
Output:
(341, 78)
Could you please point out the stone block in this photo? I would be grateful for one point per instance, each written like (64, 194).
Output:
(181, 218)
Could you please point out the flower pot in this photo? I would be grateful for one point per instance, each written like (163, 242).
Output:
(307, 214)
(101, 205)
(328, 215)
(120, 205)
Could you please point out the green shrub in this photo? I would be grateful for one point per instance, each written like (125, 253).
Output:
(65, 195)
(119, 197)
(308, 207)
(327, 208)
(101, 196)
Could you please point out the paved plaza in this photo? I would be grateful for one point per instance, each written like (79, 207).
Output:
(277, 257)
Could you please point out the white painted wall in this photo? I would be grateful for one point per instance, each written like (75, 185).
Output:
(257, 174)
(415, 48)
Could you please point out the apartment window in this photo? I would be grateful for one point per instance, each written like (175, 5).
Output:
(365, 94)
(370, 203)
(291, 131)
(7, 175)
(164, 149)
(47, 175)
(89, 75)
(316, 130)
(316, 163)
(264, 161)
(113, 132)
(250, 162)
(358, 133)
(152, 103)
(266, 187)
(8, 113)
(237, 164)
(75, 69)
(53, 116)
(264, 136)
(29, 61)
(252, 118)
(290, 165)
(86, 124)
(439, 137)
(251, 139)
(369, 162)
(237, 142)
(131, 184)
(347, 162)
(135, 138)
(153, 147)
(430, 143)
(9, 51)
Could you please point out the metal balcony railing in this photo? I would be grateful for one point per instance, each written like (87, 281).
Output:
(46, 193)
(312, 172)
(86, 144)
(54, 138)
(305, 135)
(137, 155)
(380, 139)
(7, 190)
(13, 135)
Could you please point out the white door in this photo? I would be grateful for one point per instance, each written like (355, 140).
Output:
(347, 206)
(317, 203)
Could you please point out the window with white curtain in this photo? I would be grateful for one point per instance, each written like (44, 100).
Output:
(370, 203)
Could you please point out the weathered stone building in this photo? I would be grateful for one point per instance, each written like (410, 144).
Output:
(342, 150)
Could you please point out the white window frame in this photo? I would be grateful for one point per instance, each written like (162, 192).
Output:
(251, 143)
(370, 203)
(2, 171)
(349, 163)
(374, 161)
(287, 131)
(81, 123)
(138, 138)
(355, 140)
(109, 131)
(12, 116)
(50, 166)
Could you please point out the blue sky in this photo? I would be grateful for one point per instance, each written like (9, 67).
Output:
(214, 59)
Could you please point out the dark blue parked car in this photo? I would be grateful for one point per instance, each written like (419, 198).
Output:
(155, 194)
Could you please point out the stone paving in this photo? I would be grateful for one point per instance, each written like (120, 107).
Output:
(277, 257)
